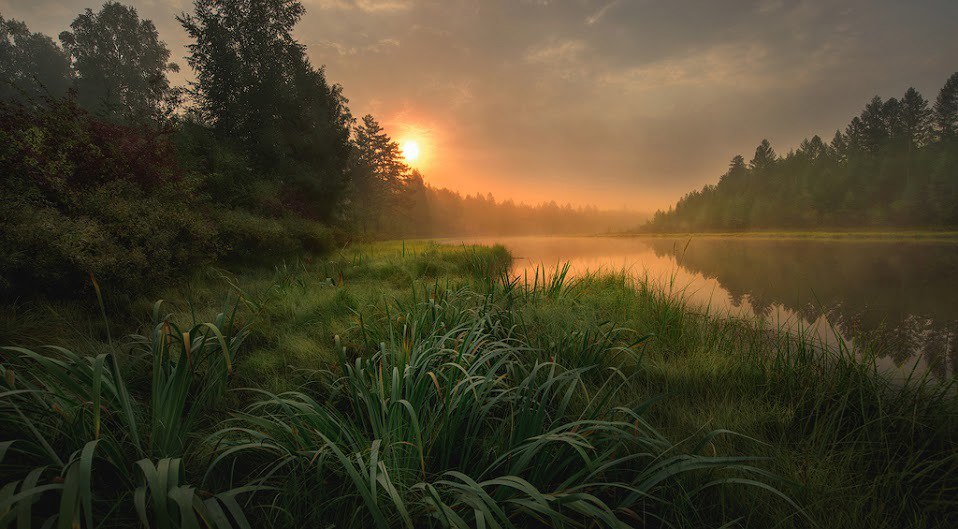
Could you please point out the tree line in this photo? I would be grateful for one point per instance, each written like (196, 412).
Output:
(109, 169)
(895, 165)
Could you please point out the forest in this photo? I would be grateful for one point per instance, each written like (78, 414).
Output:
(894, 166)
(107, 169)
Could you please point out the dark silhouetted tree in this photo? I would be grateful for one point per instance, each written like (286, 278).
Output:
(246, 61)
(32, 66)
(915, 119)
(378, 174)
(764, 157)
(257, 90)
(873, 127)
(121, 65)
(946, 109)
(839, 147)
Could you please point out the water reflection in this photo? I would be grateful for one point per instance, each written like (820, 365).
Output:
(897, 297)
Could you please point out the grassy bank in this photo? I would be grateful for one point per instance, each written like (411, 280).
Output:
(410, 385)
(865, 235)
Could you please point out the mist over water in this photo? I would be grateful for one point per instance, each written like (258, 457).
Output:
(895, 297)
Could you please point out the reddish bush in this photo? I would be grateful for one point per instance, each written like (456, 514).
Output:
(79, 196)
(61, 147)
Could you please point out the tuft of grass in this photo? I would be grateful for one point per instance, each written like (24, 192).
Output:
(452, 421)
(73, 423)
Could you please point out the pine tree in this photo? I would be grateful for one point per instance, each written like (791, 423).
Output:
(887, 168)
(764, 157)
(873, 127)
(839, 147)
(915, 119)
(946, 110)
(377, 173)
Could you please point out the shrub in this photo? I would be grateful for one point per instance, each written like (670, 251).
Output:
(80, 196)
(246, 236)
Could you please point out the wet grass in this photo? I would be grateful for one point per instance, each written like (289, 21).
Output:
(410, 385)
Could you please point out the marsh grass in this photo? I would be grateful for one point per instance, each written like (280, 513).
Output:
(80, 440)
(410, 384)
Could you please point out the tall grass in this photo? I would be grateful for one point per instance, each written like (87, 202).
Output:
(899, 436)
(89, 446)
(454, 422)
(414, 385)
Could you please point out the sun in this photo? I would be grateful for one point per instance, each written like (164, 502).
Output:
(410, 151)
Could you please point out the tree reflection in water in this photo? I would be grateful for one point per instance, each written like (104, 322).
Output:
(898, 297)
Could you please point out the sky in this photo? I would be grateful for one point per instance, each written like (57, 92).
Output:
(617, 103)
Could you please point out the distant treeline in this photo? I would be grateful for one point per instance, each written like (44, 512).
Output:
(108, 169)
(895, 165)
(440, 212)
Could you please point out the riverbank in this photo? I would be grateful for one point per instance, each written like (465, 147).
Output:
(408, 385)
(846, 235)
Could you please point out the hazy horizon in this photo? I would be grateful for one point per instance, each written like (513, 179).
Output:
(609, 103)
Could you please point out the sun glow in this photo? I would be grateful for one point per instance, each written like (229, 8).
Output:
(410, 151)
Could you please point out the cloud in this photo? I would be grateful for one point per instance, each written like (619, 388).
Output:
(770, 6)
(561, 57)
(383, 6)
(455, 92)
(737, 64)
(595, 17)
(561, 51)
(366, 6)
(380, 46)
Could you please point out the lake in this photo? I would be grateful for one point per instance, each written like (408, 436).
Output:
(897, 296)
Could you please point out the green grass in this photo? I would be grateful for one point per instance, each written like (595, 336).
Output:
(416, 385)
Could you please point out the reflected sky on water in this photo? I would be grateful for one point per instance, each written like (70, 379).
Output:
(898, 297)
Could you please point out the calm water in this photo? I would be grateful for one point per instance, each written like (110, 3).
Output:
(901, 297)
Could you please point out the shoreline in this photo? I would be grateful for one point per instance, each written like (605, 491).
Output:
(853, 235)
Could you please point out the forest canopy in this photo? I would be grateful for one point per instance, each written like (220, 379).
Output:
(894, 165)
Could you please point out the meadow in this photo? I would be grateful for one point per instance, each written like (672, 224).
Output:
(408, 384)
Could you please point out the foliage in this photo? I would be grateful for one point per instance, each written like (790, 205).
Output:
(255, 87)
(121, 66)
(32, 66)
(440, 413)
(895, 165)
(452, 424)
(82, 196)
(946, 109)
(441, 212)
(248, 237)
(268, 149)
(83, 445)
(378, 177)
